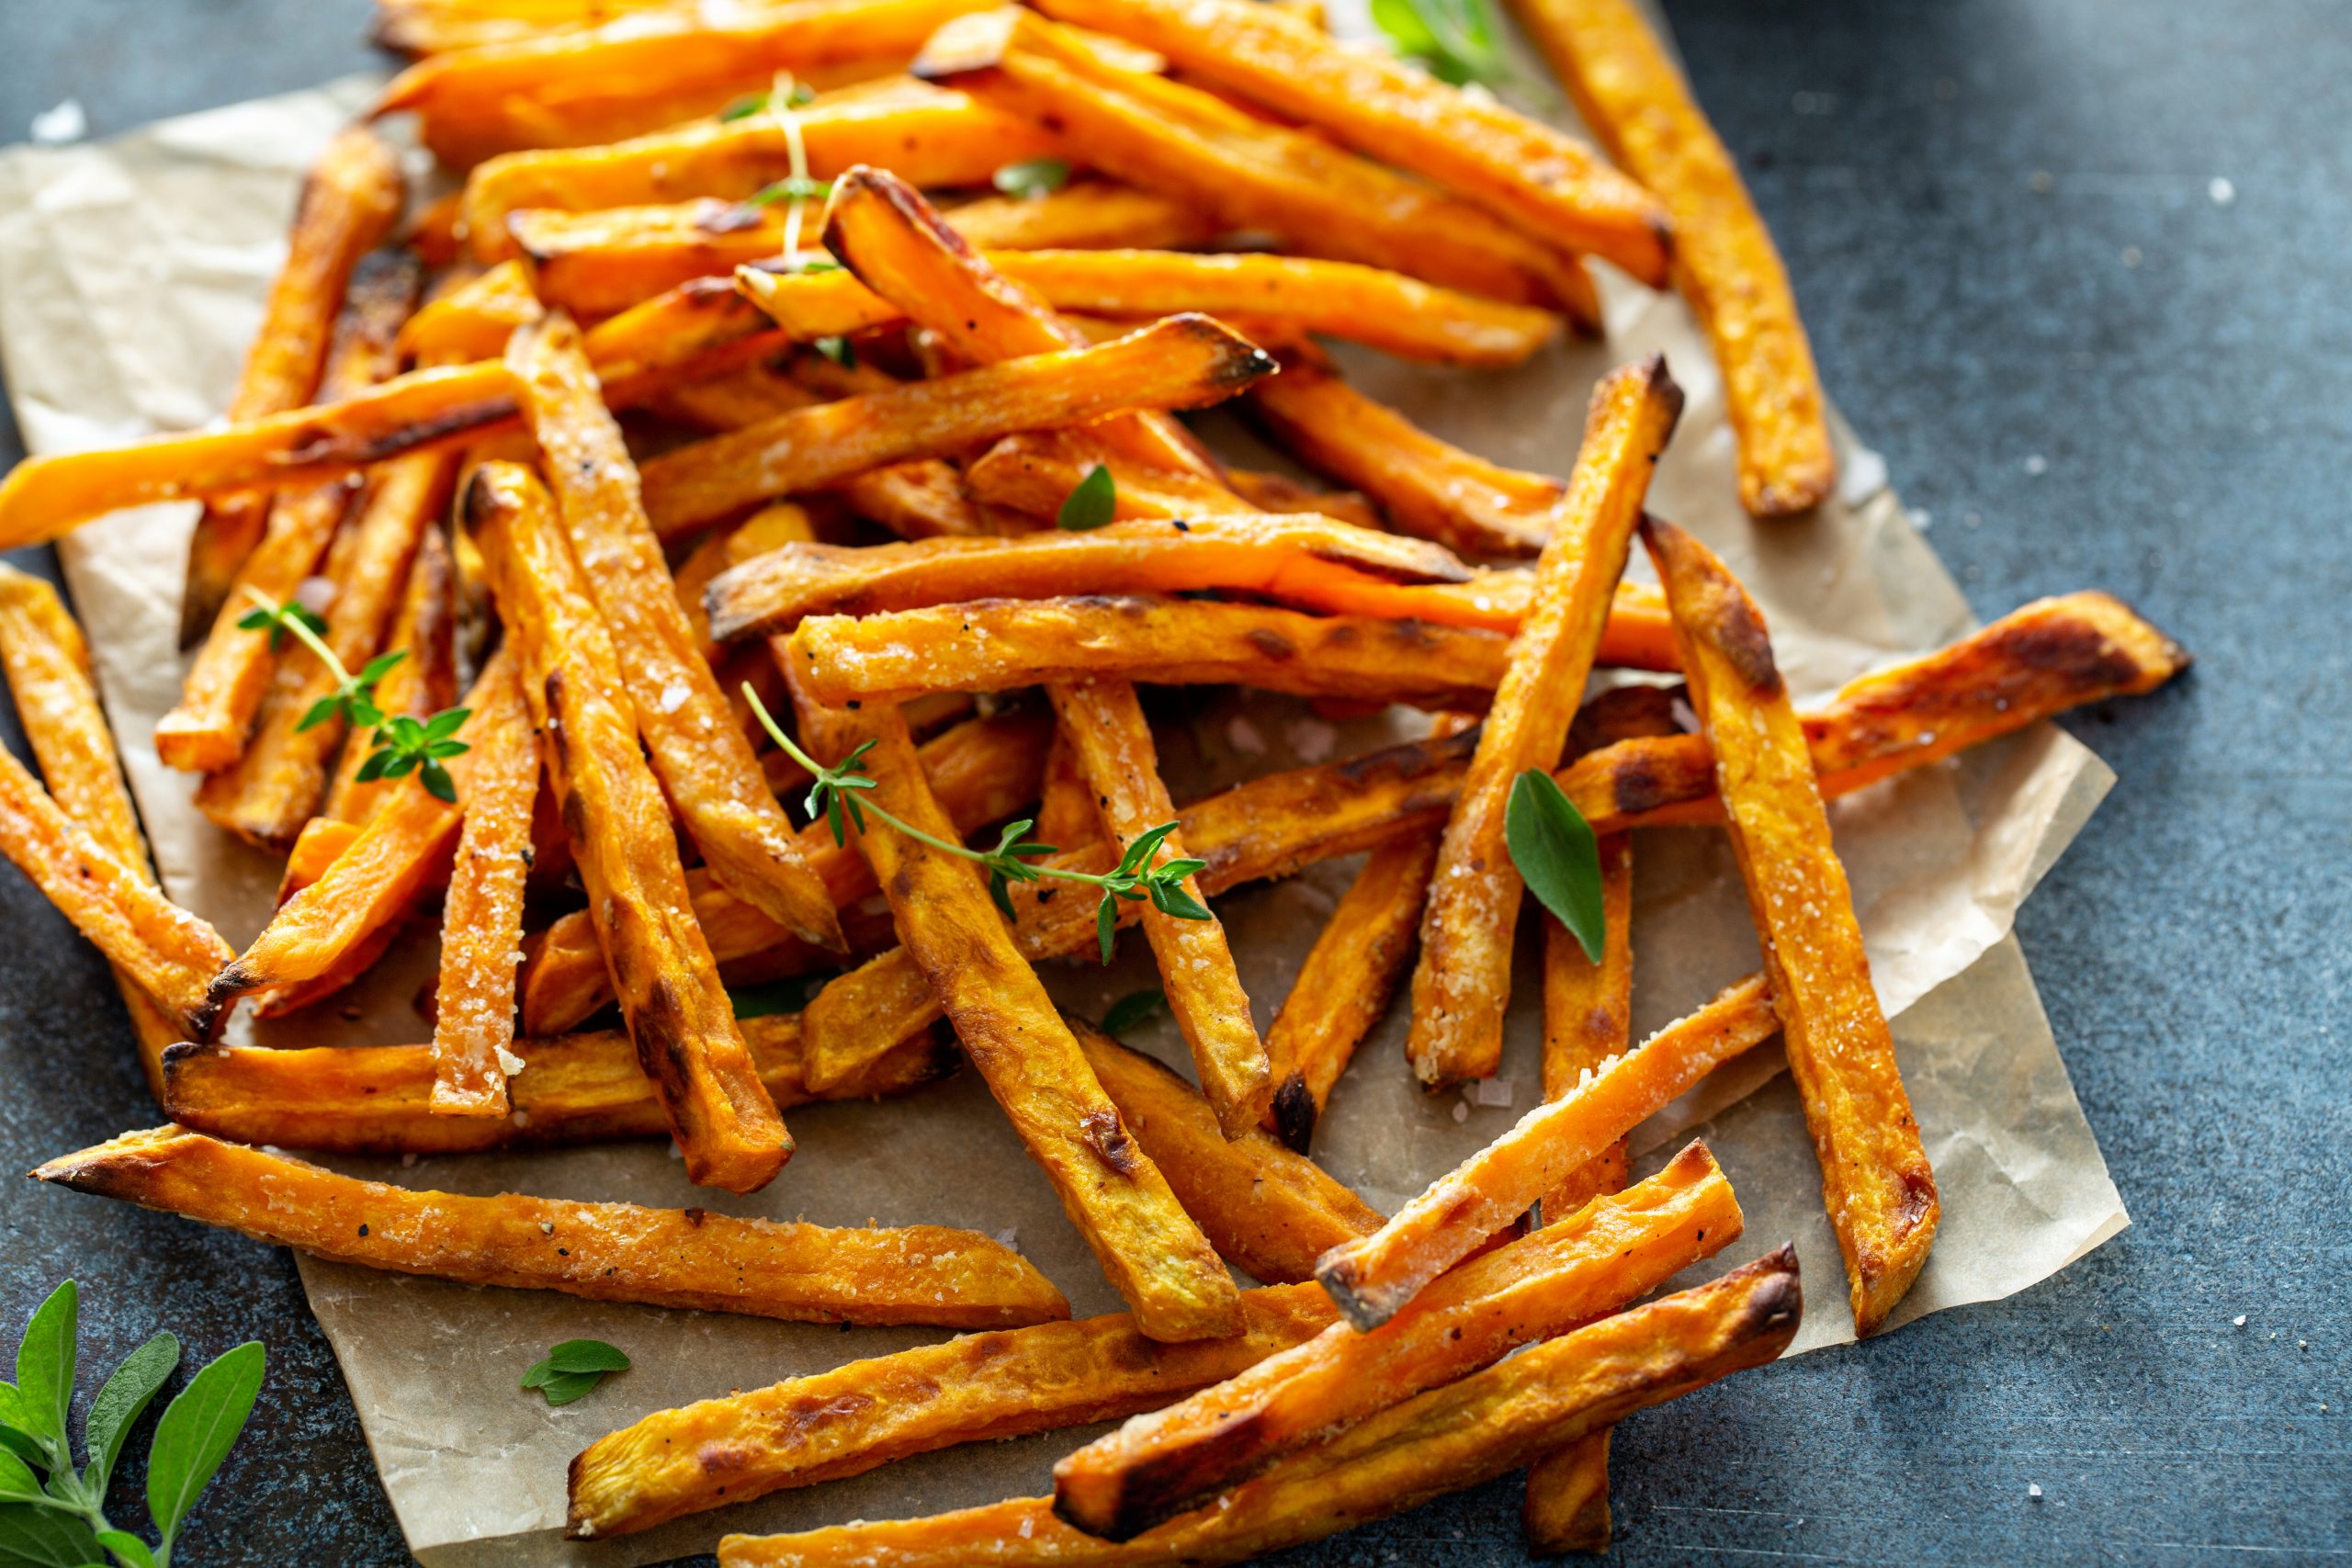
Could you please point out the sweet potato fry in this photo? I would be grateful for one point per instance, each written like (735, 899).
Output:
(1152, 1252)
(1424, 485)
(1183, 362)
(576, 1088)
(1374, 1278)
(349, 200)
(1269, 1212)
(611, 1252)
(1542, 1285)
(975, 1388)
(1587, 1015)
(1524, 172)
(994, 644)
(1462, 981)
(481, 930)
(472, 319)
(1448, 1438)
(703, 758)
(1627, 89)
(49, 673)
(1065, 806)
(1278, 556)
(439, 27)
(1881, 1194)
(1255, 175)
(422, 684)
(931, 136)
(668, 984)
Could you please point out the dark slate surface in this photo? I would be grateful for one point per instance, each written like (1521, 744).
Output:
(2089, 371)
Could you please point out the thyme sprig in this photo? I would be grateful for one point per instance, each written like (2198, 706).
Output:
(399, 744)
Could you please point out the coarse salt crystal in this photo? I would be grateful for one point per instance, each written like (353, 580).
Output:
(1460, 1111)
(1493, 1092)
(509, 1062)
(1008, 1235)
(674, 696)
(66, 122)
(2033, 1489)
(1243, 736)
(2239, 1321)
(2221, 191)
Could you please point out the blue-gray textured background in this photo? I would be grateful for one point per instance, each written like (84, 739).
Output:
(2092, 367)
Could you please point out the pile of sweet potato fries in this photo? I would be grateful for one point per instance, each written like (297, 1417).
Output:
(645, 555)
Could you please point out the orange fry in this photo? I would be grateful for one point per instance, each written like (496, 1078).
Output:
(481, 930)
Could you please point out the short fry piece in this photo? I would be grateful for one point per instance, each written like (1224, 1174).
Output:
(677, 1011)
(481, 929)
(1628, 90)
(1587, 1015)
(1545, 1284)
(612, 1252)
(1881, 1194)
(1448, 1438)
(1374, 1278)
(866, 1413)
(1462, 981)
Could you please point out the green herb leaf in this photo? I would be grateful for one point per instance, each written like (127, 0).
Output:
(565, 1387)
(45, 1367)
(118, 1402)
(1455, 39)
(792, 187)
(840, 350)
(1106, 924)
(537, 1374)
(17, 1481)
(196, 1431)
(771, 998)
(744, 107)
(437, 781)
(1553, 846)
(445, 724)
(128, 1549)
(1130, 1010)
(43, 1538)
(1091, 503)
(23, 1444)
(587, 1355)
(1170, 898)
(1032, 177)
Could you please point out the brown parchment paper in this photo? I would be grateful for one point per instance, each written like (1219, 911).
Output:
(130, 276)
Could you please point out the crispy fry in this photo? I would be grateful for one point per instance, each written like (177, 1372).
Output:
(1185, 143)
(473, 319)
(1547, 184)
(1424, 485)
(1280, 492)
(1463, 982)
(1285, 557)
(1626, 87)
(1374, 1278)
(576, 1088)
(1111, 743)
(420, 684)
(1183, 362)
(1542, 1285)
(612, 1252)
(1565, 1505)
(1065, 806)
(1881, 1194)
(1587, 1015)
(348, 203)
(1448, 1438)
(1268, 1212)
(437, 27)
(481, 930)
(703, 760)
(973, 1389)
(48, 672)
(1153, 1254)
(668, 984)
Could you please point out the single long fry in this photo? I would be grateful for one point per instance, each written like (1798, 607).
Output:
(50, 675)
(1281, 557)
(1462, 984)
(1587, 1015)
(1374, 1278)
(677, 1011)
(481, 930)
(612, 1252)
(1628, 90)
(1424, 485)
(1544, 183)
(1448, 1438)
(437, 27)
(975, 1388)
(349, 200)
(1153, 1254)
(1542, 1285)
(703, 758)
(574, 1088)
(1875, 1179)
(1183, 362)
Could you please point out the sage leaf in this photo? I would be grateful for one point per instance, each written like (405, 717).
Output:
(45, 1367)
(118, 1402)
(1553, 846)
(196, 1431)
(1130, 1010)
(1090, 502)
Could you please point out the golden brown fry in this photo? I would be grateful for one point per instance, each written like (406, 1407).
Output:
(437, 27)
(1280, 492)
(1542, 1285)
(1153, 1254)
(994, 644)
(1285, 557)
(48, 672)
(1269, 1212)
(1587, 1015)
(576, 1088)
(1453, 1437)
(612, 1252)
(1627, 89)
(676, 1009)
(1183, 362)
(481, 930)
(1566, 1506)
(1544, 183)
(703, 760)
(1424, 485)
(975, 1388)
(473, 319)
(1374, 1278)
(1881, 1194)
(349, 200)
(1463, 982)
(1065, 806)
(422, 684)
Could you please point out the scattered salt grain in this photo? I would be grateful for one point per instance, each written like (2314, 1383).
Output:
(509, 1062)
(2221, 191)
(2041, 181)
(1493, 1092)
(1026, 1525)
(66, 122)
(2132, 256)
(2239, 1320)
(1312, 739)
(1008, 1236)
(547, 1227)
(2033, 1490)
(1460, 1111)
(1243, 736)
(2036, 465)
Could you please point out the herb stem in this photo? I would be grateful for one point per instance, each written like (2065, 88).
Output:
(305, 635)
